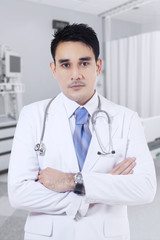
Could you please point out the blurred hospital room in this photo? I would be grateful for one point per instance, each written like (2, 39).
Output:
(129, 35)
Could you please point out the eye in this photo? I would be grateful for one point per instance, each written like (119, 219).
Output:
(84, 64)
(65, 65)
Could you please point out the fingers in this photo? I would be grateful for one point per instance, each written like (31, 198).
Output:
(43, 173)
(40, 176)
(131, 172)
(125, 167)
(129, 168)
(122, 166)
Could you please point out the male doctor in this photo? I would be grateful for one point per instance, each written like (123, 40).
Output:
(79, 188)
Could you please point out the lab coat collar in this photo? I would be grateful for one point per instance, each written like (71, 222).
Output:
(91, 105)
(71, 105)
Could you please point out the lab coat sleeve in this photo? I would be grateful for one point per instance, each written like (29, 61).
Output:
(23, 189)
(133, 189)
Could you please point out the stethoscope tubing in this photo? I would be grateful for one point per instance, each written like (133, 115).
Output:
(93, 120)
(44, 120)
(40, 147)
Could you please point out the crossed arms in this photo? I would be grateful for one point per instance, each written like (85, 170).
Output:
(62, 182)
(53, 192)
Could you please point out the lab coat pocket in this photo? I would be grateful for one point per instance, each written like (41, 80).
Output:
(116, 227)
(39, 224)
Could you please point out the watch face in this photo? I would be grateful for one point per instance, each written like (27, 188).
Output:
(79, 178)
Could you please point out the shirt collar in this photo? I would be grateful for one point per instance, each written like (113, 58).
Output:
(71, 105)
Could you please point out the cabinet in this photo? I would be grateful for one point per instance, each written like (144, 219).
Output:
(7, 129)
(10, 106)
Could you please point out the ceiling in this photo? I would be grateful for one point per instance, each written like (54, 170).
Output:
(148, 10)
(88, 6)
(145, 14)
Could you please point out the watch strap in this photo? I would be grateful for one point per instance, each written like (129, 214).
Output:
(78, 188)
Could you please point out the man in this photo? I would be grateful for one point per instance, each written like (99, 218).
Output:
(95, 163)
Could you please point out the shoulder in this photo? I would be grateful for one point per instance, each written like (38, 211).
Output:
(116, 110)
(40, 106)
(124, 117)
(114, 106)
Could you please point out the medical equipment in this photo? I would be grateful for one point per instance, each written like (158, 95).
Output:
(152, 134)
(12, 65)
(11, 101)
(41, 148)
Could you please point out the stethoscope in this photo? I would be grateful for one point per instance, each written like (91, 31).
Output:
(41, 148)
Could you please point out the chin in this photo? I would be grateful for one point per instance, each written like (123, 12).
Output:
(77, 99)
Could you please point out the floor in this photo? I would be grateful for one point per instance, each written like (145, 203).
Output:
(11, 221)
(144, 219)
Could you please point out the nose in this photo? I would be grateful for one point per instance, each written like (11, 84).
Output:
(75, 74)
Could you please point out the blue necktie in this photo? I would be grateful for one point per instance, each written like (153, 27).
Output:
(82, 135)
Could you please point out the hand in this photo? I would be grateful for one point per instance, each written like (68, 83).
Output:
(125, 167)
(56, 180)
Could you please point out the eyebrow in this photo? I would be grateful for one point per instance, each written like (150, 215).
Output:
(68, 60)
(85, 59)
(63, 60)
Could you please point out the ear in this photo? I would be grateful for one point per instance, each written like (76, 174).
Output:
(99, 66)
(53, 68)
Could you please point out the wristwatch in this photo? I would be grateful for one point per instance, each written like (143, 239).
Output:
(78, 179)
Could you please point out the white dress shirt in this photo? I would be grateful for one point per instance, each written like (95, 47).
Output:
(71, 106)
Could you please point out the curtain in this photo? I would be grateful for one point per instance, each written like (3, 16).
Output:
(133, 73)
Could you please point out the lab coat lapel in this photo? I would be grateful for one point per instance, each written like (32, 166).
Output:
(92, 155)
(64, 140)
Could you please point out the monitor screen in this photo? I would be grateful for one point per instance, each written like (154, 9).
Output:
(12, 65)
(15, 64)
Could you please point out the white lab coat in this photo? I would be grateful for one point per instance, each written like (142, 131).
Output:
(102, 213)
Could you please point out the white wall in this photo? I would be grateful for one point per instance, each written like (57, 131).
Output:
(26, 28)
(152, 26)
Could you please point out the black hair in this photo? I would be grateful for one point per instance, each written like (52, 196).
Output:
(76, 33)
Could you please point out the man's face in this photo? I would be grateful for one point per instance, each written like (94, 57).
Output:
(76, 70)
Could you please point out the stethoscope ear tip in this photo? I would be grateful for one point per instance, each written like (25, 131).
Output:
(105, 153)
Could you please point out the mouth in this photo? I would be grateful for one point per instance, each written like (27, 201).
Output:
(77, 86)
